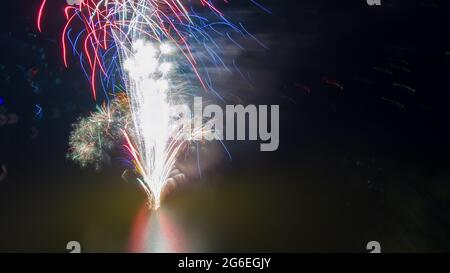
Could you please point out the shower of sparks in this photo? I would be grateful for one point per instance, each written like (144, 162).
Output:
(143, 44)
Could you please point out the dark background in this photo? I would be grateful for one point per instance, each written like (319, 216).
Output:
(360, 157)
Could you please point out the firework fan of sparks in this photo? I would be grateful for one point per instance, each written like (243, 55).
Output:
(95, 136)
(142, 44)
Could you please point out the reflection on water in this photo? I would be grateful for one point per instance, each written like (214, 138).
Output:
(158, 232)
(320, 214)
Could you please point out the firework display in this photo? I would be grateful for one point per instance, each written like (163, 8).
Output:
(151, 47)
(224, 126)
(94, 136)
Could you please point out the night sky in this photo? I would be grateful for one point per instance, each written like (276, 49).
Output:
(364, 95)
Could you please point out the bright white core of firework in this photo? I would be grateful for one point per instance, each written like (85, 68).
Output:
(148, 90)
